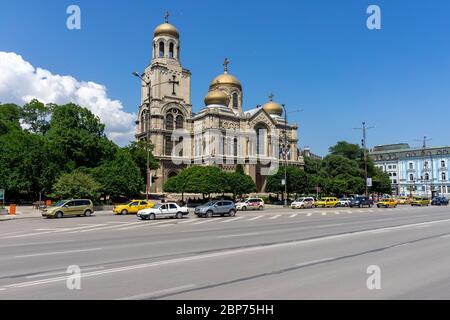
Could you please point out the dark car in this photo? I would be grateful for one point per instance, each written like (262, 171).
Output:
(216, 208)
(439, 201)
(361, 202)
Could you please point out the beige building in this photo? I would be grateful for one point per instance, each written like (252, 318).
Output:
(223, 133)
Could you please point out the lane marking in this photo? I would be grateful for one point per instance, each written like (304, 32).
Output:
(238, 235)
(67, 230)
(324, 213)
(142, 224)
(158, 293)
(309, 214)
(337, 213)
(313, 262)
(294, 215)
(208, 221)
(106, 228)
(275, 217)
(255, 218)
(187, 221)
(56, 253)
(231, 220)
(40, 275)
(217, 254)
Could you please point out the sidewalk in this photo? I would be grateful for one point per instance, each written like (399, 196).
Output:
(25, 212)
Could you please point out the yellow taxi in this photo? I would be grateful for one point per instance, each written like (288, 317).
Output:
(387, 203)
(417, 201)
(404, 200)
(328, 202)
(133, 207)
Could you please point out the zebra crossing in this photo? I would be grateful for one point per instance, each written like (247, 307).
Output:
(194, 222)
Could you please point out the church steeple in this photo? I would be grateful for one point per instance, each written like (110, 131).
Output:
(166, 41)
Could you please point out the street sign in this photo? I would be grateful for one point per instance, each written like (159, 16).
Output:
(369, 182)
(283, 182)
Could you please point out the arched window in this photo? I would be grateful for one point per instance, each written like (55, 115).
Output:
(169, 122)
(161, 49)
(168, 145)
(261, 139)
(235, 101)
(171, 50)
(427, 176)
(444, 176)
(443, 164)
(411, 177)
(154, 50)
(235, 147)
(179, 122)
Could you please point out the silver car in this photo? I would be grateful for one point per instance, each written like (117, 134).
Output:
(216, 208)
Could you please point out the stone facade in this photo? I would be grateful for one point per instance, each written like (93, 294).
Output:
(221, 134)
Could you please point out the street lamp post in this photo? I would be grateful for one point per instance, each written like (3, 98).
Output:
(149, 117)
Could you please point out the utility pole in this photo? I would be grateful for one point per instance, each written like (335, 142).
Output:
(364, 145)
(425, 167)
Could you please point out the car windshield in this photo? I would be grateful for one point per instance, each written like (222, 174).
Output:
(300, 199)
(157, 206)
(209, 204)
(59, 203)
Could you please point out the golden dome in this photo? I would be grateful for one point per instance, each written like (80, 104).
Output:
(166, 29)
(226, 79)
(273, 107)
(217, 97)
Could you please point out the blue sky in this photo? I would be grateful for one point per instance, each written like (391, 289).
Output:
(315, 55)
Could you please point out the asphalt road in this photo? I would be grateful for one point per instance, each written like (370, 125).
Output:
(283, 254)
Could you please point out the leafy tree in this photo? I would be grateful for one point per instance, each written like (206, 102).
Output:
(76, 185)
(239, 184)
(297, 181)
(347, 150)
(77, 137)
(36, 115)
(9, 118)
(138, 151)
(120, 176)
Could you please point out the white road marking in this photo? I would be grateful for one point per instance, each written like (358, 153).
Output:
(217, 254)
(309, 214)
(231, 220)
(188, 221)
(314, 262)
(238, 235)
(108, 227)
(349, 211)
(294, 215)
(275, 217)
(47, 232)
(337, 213)
(208, 221)
(56, 253)
(324, 213)
(158, 293)
(40, 275)
(255, 218)
(142, 224)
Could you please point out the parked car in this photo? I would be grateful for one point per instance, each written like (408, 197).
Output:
(439, 201)
(214, 208)
(361, 202)
(69, 208)
(163, 210)
(328, 202)
(133, 207)
(420, 202)
(404, 201)
(345, 202)
(387, 203)
(250, 204)
(303, 203)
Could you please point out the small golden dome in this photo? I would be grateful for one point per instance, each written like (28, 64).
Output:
(226, 79)
(273, 108)
(166, 29)
(217, 97)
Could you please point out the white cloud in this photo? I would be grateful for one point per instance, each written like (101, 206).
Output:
(20, 82)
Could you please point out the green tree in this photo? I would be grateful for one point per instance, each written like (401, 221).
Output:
(77, 138)
(120, 176)
(76, 185)
(9, 118)
(297, 181)
(36, 115)
(347, 150)
(239, 184)
(138, 151)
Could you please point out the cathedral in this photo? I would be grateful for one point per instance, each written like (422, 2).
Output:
(222, 133)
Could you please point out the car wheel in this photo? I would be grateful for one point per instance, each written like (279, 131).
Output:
(152, 217)
(59, 215)
(232, 213)
(124, 212)
(261, 208)
(88, 213)
(244, 208)
(209, 214)
(179, 215)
